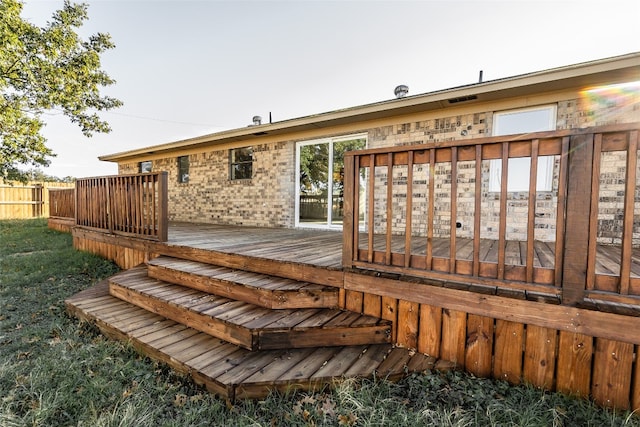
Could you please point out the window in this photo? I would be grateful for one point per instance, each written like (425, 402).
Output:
(536, 119)
(145, 167)
(241, 163)
(183, 169)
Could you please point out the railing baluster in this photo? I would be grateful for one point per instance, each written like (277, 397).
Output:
(454, 210)
(477, 210)
(389, 208)
(356, 208)
(629, 205)
(371, 213)
(110, 207)
(409, 211)
(531, 214)
(561, 211)
(593, 220)
(163, 207)
(141, 204)
(349, 237)
(149, 214)
(432, 184)
(502, 228)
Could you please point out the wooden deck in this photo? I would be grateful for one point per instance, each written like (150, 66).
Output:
(246, 311)
(324, 248)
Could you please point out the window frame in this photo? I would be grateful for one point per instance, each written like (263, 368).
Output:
(183, 170)
(233, 164)
(145, 166)
(519, 166)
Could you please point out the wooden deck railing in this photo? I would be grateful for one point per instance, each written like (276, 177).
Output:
(62, 203)
(567, 235)
(124, 204)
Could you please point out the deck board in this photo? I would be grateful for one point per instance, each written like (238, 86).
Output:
(255, 288)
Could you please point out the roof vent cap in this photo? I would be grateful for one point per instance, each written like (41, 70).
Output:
(257, 120)
(401, 91)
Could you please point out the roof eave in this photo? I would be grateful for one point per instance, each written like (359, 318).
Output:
(579, 75)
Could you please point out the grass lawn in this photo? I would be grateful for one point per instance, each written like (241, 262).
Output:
(57, 371)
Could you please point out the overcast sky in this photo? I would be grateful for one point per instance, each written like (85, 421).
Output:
(188, 68)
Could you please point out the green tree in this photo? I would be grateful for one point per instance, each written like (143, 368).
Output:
(42, 70)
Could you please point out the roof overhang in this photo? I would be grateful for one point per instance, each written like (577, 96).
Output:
(610, 70)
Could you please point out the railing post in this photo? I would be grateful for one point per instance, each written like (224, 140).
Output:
(110, 210)
(163, 206)
(579, 194)
(347, 219)
(75, 202)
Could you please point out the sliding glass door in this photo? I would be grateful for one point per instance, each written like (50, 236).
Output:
(320, 180)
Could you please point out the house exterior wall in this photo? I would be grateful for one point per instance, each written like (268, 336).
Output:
(267, 199)
(211, 197)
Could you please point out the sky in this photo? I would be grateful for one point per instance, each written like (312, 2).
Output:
(190, 68)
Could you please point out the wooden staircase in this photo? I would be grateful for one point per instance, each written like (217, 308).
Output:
(242, 333)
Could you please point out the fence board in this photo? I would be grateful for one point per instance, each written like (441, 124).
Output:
(508, 346)
(479, 351)
(31, 200)
(354, 301)
(62, 203)
(540, 356)
(612, 368)
(574, 363)
(430, 330)
(454, 334)
(635, 387)
(390, 312)
(372, 305)
(407, 324)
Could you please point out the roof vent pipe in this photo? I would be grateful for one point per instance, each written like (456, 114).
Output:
(401, 91)
(257, 120)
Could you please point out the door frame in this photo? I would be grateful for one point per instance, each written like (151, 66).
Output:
(328, 140)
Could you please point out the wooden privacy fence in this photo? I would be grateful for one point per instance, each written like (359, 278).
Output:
(62, 203)
(134, 205)
(565, 235)
(20, 201)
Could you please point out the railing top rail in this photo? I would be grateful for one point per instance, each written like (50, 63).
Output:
(499, 139)
(121, 176)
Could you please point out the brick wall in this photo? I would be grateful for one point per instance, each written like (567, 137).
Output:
(210, 196)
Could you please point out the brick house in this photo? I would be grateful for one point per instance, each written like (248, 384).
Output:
(288, 173)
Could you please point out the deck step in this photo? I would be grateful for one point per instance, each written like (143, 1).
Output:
(232, 372)
(258, 289)
(245, 324)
